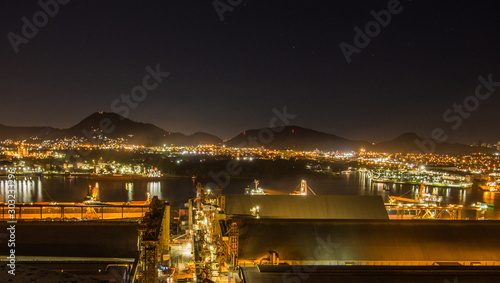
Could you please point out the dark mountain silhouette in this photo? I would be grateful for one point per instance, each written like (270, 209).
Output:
(402, 143)
(111, 125)
(411, 142)
(22, 133)
(295, 137)
(115, 126)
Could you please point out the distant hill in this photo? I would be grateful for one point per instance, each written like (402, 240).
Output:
(290, 137)
(22, 133)
(114, 126)
(298, 138)
(136, 132)
(409, 142)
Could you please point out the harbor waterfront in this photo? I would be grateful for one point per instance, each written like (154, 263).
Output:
(179, 190)
(250, 142)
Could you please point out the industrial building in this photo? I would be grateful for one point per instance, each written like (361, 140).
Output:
(306, 206)
(370, 242)
(305, 238)
(368, 274)
(100, 249)
(105, 247)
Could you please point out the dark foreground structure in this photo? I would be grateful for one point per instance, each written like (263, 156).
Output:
(294, 239)
(75, 239)
(106, 245)
(276, 250)
(100, 249)
(371, 242)
(369, 274)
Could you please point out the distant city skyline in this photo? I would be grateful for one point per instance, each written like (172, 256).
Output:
(413, 66)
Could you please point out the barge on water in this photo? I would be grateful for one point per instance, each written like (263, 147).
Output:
(430, 184)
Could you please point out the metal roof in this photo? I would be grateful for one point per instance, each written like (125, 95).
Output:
(370, 240)
(308, 207)
(371, 274)
(102, 239)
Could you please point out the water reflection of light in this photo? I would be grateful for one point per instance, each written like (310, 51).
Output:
(436, 192)
(29, 185)
(39, 191)
(20, 191)
(4, 187)
(488, 196)
(24, 190)
(462, 196)
(366, 183)
(130, 189)
(154, 188)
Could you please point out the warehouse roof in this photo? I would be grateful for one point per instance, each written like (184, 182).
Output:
(308, 207)
(97, 239)
(340, 241)
(356, 274)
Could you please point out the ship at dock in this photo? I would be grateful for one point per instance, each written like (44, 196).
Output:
(431, 184)
(255, 189)
(421, 198)
(492, 187)
(431, 179)
(152, 175)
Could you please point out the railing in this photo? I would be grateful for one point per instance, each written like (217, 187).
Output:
(71, 212)
(421, 211)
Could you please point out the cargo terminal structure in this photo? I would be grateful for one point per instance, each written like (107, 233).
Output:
(306, 238)
(114, 243)
(251, 238)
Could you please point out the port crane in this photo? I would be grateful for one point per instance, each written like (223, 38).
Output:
(302, 189)
(421, 197)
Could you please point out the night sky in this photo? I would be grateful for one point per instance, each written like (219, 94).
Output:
(227, 76)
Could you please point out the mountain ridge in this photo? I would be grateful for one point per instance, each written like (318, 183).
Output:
(295, 137)
(111, 125)
(412, 143)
